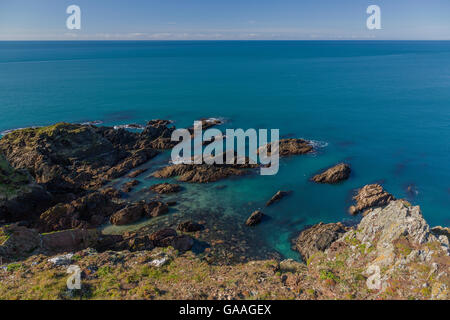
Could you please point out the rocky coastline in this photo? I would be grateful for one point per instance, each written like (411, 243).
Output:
(55, 194)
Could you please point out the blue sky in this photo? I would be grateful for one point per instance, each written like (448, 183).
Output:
(224, 19)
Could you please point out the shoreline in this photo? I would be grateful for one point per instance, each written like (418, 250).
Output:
(74, 179)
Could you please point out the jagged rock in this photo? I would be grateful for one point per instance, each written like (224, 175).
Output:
(441, 231)
(254, 218)
(385, 226)
(277, 197)
(20, 197)
(370, 196)
(289, 147)
(189, 226)
(84, 212)
(163, 188)
(318, 238)
(128, 214)
(128, 186)
(334, 174)
(156, 208)
(157, 134)
(74, 158)
(203, 173)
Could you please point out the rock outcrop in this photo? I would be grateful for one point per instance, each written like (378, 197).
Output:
(334, 174)
(75, 158)
(203, 173)
(255, 218)
(318, 238)
(277, 197)
(85, 212)
(128, 214)
(370, 196)
(288, 147)
(20, 197)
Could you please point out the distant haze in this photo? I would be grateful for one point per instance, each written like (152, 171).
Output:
(224, 20)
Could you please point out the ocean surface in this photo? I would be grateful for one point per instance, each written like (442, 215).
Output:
(383, 107)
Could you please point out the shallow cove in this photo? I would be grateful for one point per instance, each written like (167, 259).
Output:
(382, 106)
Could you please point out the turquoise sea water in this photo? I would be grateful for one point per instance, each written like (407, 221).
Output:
(384, 107)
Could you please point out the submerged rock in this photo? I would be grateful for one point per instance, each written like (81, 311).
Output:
(136, 173)
(370, 196)
(189, 226)
(334, 174)
(254, 218)
(127, 187)
(277, 197)
(318, 238)
(163, 188)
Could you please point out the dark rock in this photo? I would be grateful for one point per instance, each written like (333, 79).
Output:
(163, 188)
(182, 243)
(79, 213)
(156, 208)
(318, 238)
(254, 218)
(128, 186)
(159, 236)
(277, 197)
(370, 196)
(334, 174)
(128, 215)
(136, 173)
(189, 226)
(70, 240)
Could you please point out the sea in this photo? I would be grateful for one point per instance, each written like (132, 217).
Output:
(381, 106)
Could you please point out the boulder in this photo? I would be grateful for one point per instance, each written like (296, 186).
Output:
(158, 236)
(128, 214)
(334, 174)
(156, 208)
(277, 197)
(318, 238)
(370, 196)
(254, 218)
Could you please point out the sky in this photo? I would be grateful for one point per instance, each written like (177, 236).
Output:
(224, 20)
